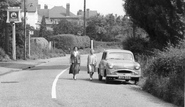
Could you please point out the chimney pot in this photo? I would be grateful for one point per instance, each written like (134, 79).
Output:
(45, 6)
(67, 9)
(88, 13)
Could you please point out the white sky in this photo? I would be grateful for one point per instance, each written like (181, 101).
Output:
(103, 7)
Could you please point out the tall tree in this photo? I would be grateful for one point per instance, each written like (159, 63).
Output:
(42, 32)
(96, 28)
(63, 27)
(118, 20)
(161, 19)
(3, 6)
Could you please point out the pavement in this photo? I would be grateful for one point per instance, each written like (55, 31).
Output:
(18, 65)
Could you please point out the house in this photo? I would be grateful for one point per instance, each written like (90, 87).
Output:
(31, 12)
(88, 13)
(34, 14)
(55, 14)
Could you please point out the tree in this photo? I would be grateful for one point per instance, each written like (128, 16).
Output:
(96, 28)
(63, 27)
(42, 32)
(104, 28)
(118, 21)
(3, 6)
(159, 18)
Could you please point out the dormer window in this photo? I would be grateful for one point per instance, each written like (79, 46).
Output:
(31, 5)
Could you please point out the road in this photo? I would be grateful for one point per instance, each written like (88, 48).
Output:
(50, 85)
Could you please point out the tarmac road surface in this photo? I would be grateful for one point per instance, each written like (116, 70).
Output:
(50, 85)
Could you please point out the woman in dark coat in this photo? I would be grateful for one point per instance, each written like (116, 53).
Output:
(75, 62)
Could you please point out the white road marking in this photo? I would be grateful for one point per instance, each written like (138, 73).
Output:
(53, 91)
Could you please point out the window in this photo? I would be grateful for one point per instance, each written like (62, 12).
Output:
(120, 56)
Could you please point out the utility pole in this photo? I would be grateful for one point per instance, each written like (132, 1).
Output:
(29, 44)
(13, 42)
(24, 29)
(84, 17)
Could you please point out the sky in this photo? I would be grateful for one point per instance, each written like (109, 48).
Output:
(103, 7)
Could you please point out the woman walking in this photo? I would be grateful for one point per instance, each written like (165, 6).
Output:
(75, 62)
(91, 64)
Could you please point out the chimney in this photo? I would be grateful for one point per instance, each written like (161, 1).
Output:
(79, 13)
(67, 9)
(87, 13)
(45, 6)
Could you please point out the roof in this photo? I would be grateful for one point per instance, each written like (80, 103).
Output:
(117, 50)
(31, 5)
(59, 12)
(43, 12)
(92, 13)
(46, 19)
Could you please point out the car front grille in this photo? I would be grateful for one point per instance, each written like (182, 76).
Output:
(124, 71)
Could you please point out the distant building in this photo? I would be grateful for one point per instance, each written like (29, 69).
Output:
(88, 13)
(31, 12)
(34, 14)
(57, 13)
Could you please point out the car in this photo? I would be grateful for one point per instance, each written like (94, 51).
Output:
(120, 65)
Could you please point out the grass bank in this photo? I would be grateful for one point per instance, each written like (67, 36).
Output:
(163, 74)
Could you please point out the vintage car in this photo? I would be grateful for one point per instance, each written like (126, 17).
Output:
(117, 64)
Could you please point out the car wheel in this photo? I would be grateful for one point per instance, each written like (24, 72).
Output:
(107, 80)
(136, 82)
(100, 77)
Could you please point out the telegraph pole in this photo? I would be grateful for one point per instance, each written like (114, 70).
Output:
(13, 42)
(24, 29)
(84, 17)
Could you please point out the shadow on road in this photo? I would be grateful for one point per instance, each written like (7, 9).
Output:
(14, 65)
(53, 67)
(97, 81)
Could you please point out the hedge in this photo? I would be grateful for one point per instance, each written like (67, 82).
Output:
(165, 75)
(68, 41)
(3, 55)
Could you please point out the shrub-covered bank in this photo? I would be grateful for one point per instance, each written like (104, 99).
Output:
(41, 53)
(3, 56)
(162, 70)
(67, 41)
(165, 75)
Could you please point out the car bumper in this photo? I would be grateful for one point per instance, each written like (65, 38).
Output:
(125, 77)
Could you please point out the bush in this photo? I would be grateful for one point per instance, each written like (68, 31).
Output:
(19, 52)
(40, 53)
(137, 45)
(101, 46)
(3, 56)
(165, 75)
(68, 41)
(106, 45)
(86, 41)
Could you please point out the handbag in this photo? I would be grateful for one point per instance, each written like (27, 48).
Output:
(71, 68)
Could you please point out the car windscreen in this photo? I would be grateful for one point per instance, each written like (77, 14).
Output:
(120, 56)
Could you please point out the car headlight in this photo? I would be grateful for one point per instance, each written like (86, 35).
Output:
(137, 67)
(110, 65)
(135, 73)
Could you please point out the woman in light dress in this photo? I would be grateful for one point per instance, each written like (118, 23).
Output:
(91, 63)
